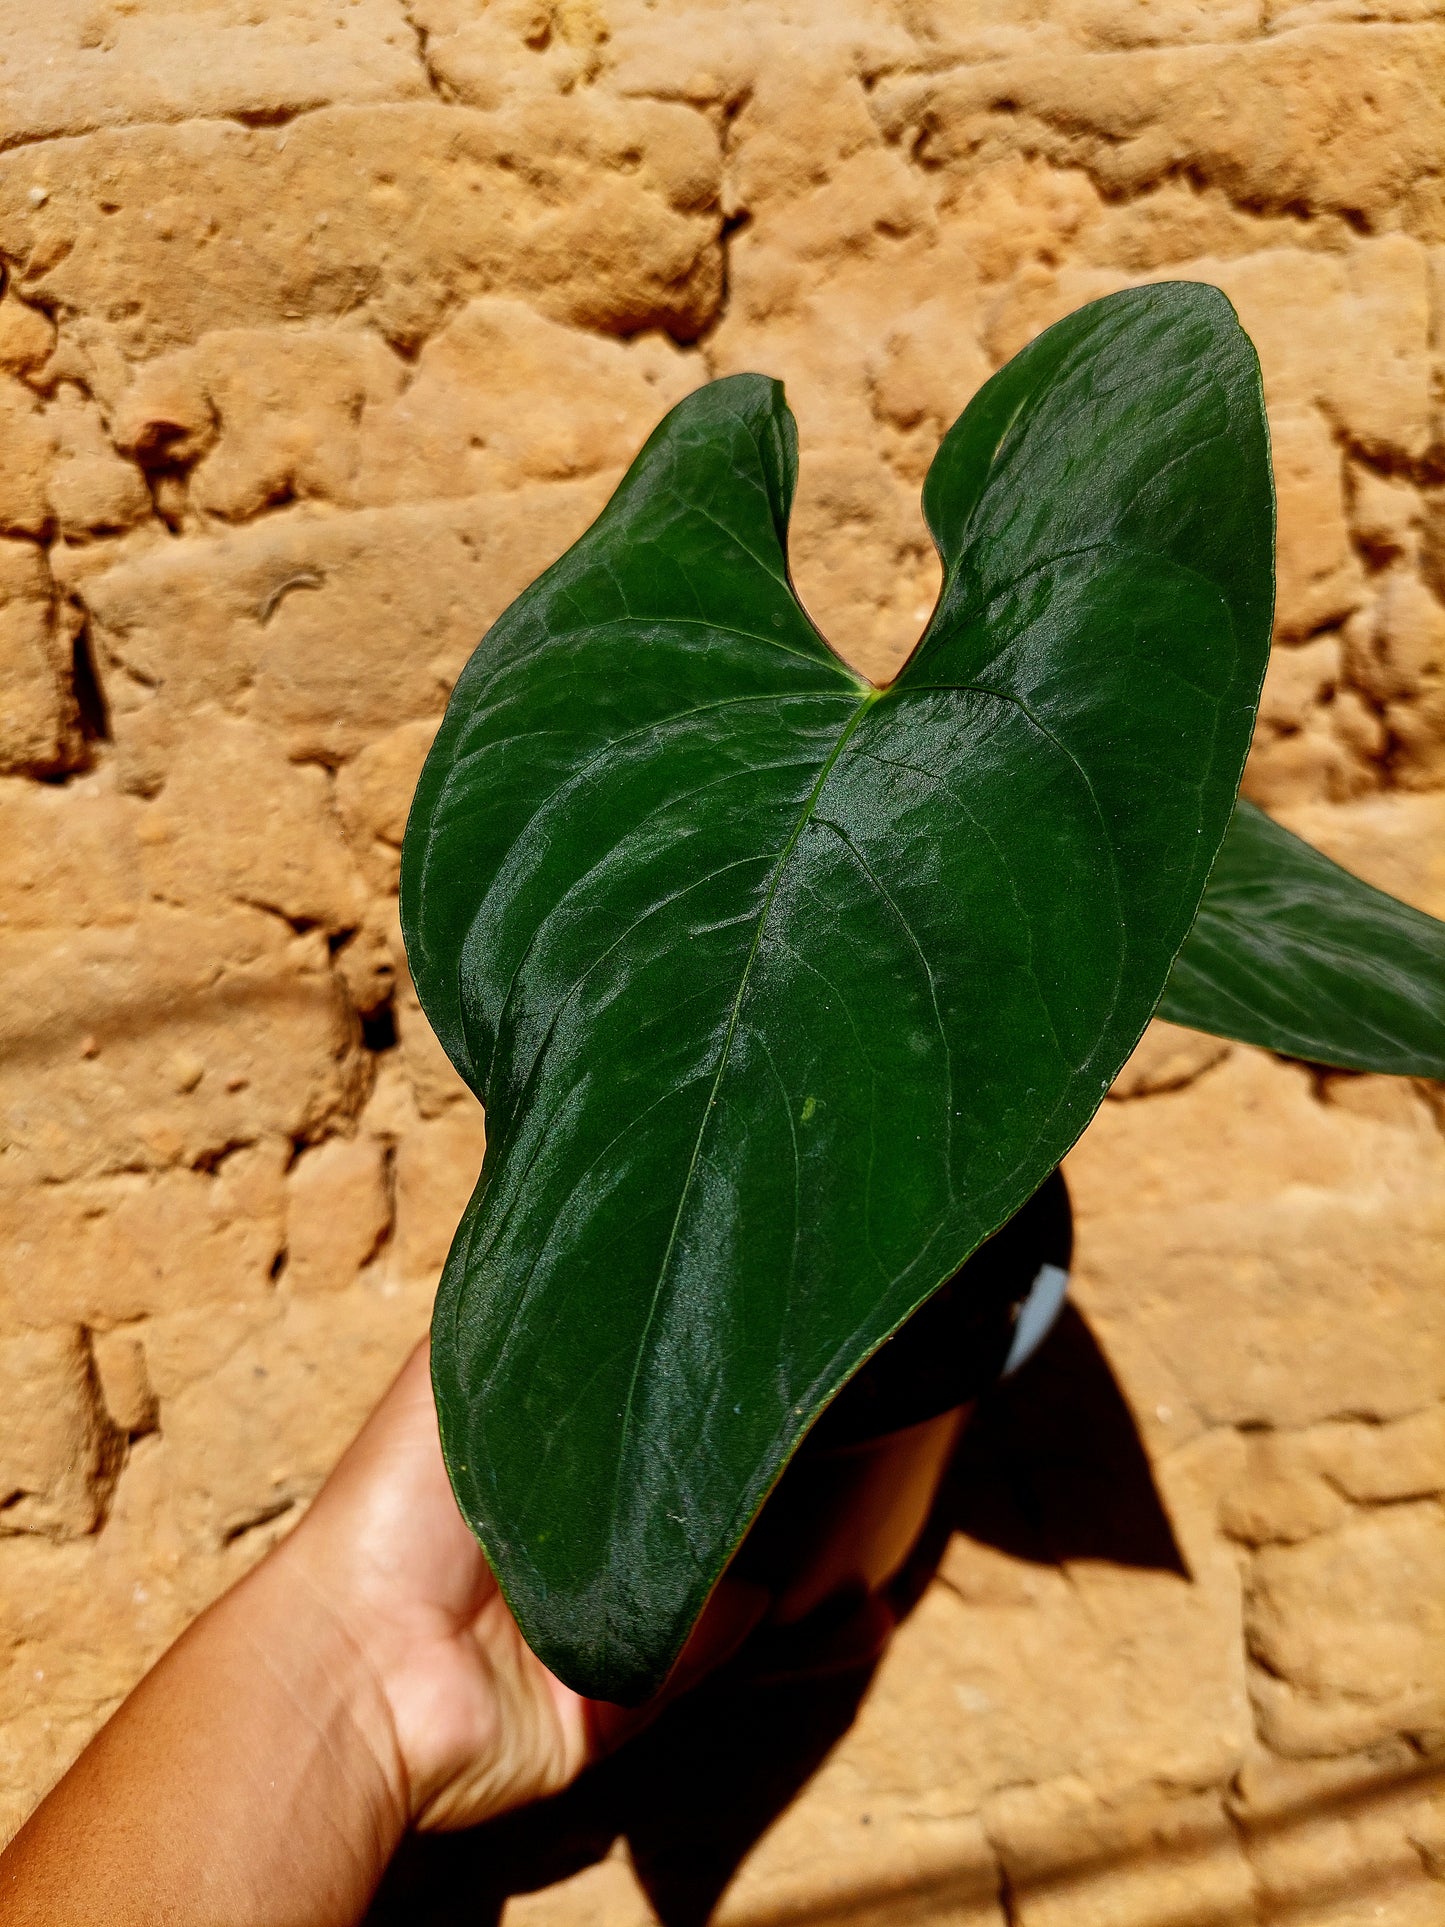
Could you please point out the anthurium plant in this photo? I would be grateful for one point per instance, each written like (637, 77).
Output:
(784, 991)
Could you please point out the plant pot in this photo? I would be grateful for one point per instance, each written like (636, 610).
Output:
(806, 1588)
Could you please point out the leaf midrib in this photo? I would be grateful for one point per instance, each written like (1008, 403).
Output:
(804, 817)
(1248, 954)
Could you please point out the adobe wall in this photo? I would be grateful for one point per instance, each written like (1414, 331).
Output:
(327, 324)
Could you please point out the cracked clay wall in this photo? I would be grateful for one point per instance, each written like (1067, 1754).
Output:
(326, 324)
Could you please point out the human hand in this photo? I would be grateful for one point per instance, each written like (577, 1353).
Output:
(364, 1677)
(479, 1724)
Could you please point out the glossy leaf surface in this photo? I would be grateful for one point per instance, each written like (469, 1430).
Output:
(1292, 952)
(782, 991)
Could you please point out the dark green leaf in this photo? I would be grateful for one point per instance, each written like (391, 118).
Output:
(1292, 952)
(782, 991)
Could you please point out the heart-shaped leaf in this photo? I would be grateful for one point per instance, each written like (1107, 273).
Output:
(782, 991)
(1294, 953)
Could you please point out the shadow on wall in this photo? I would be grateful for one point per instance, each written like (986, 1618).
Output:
(1051, 1469)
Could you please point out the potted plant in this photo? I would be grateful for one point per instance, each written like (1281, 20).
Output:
(785, 992)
